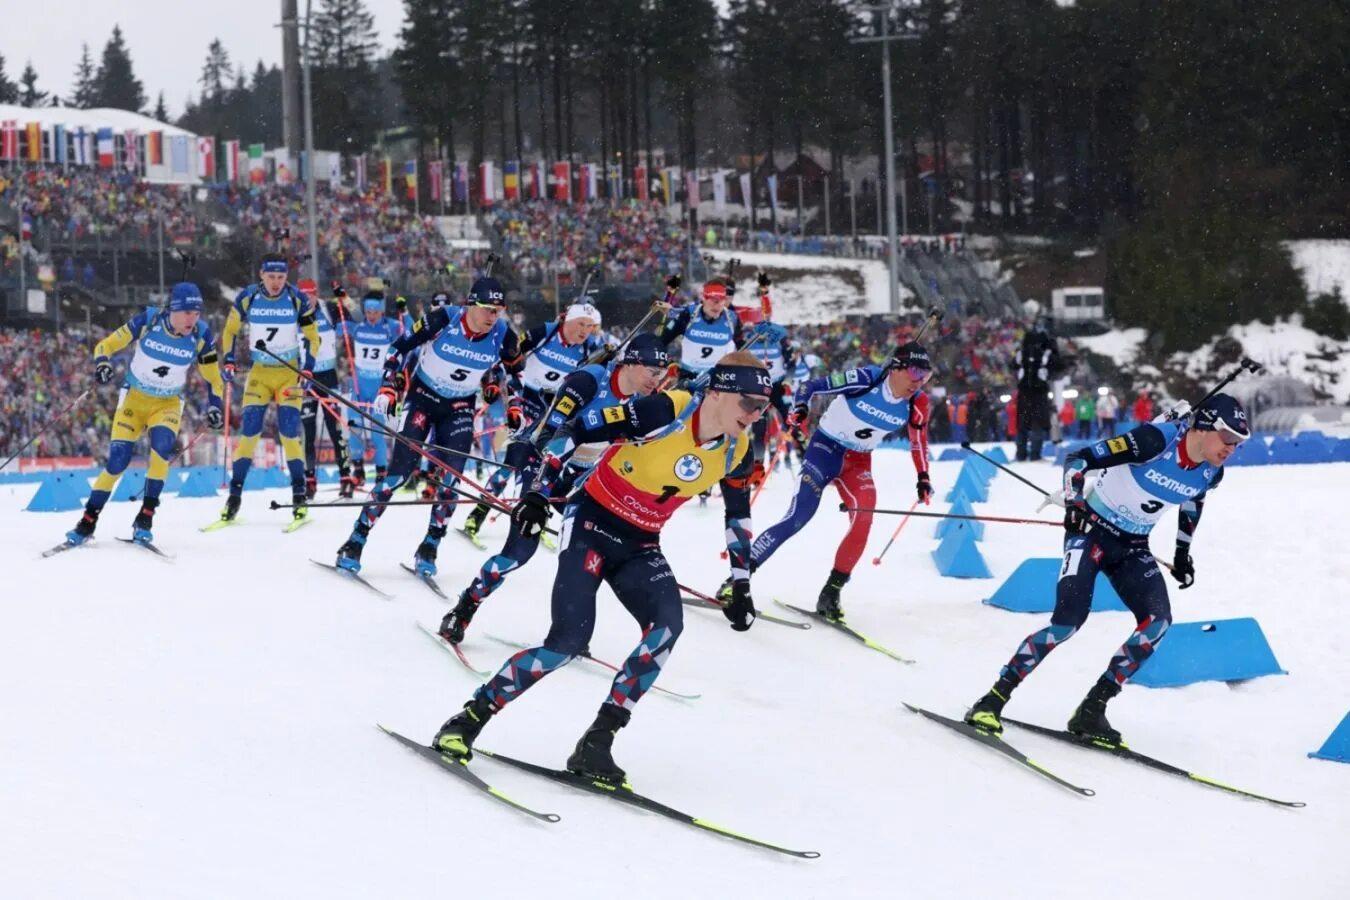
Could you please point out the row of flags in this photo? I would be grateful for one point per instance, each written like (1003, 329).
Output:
(156, 154)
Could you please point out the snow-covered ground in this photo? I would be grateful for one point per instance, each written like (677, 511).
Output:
(206, 728)
(819, 297)
(1287, 348)
(1325, 265)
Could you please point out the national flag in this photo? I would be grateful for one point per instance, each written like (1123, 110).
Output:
(746, 196)
(511, 179)
(410, 176)
(691, 192)
(131, 150)
(387, 175)
(231, 161)
(34, 142)
(562, 181)
(585, 182)
(487, 183)
(719, 185)
(84, 147)
(665, 185)
(773, 192)
(359, 172)
(460, 182)
(105, 148)
(206, 158)
(434, 173)
(59, 151)
(640, 182)
(154, 148)
(9, 139)
(179, 163)
(257, 169)
(537, 190)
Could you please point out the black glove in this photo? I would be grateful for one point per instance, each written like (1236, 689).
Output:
(740, 611)
(1183, 567)
(925, 488)
(515, 416)
(103, 371)
(531, 513)
(215, 419)
(673, 283)
(796, 420)
(1075, 517)
(491, 391)
(338, 290)
(763, 280)
(401, 303)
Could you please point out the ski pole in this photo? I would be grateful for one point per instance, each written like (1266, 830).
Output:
(50, 422)
(876, 561)
(225, 469)
(965, 445)
(430, 446)
(1246, 364)
(844, 507)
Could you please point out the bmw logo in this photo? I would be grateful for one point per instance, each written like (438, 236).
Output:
(688, 467)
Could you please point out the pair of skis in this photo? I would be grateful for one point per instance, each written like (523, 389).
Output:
(144, 545)
(619, 793)
(290, 527)
(996, 743)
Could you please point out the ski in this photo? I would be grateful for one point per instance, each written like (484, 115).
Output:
(425, 579)
(549, 543)
(219, 524)
(699, 603)
(586, 655)
(453, 649)
(994, 742)
(471, 538)
(295, 525)
(856, 635)
(63, 547)
(626, 794)
(1124, 752)
(148, 546)
(460, 769)
(352, 576)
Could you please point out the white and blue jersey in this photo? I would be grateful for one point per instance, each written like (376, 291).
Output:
(548, 360)
(325, 358)
(772, 349)
(275, 321)
(583, 397)
(452, 361)
(370, 346)
(160, 364)
(1143, 477)
(865, 410)
(705, 341)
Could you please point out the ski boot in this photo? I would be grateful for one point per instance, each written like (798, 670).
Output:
(457, 620)
(984, 714)
(457, 735)
(592, 757)
(349, 554)
(424, 559)
(299, 509)
(144, 521)
(827, 604)
(232, 502)
(474, 520)
(359, 475)
(84, 529)
(428, 489)
(1089, 720)
(311, 484)
(346, 486)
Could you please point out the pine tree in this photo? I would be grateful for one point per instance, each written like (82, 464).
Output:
(161, 111)
(341, 49)
(85, 92)
(214, 73)
(117, 86)
(29, 95)
(9, 91)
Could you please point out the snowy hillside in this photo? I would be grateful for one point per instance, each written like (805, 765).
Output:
(206, 728)
(815, 290)
(1324, 265)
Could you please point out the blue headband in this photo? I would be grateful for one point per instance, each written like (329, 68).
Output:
(734, 379)
(275, 266)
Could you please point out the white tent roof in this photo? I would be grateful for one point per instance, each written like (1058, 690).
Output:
(92, 119)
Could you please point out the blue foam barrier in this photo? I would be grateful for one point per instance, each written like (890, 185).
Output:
(278, 477)
(997, 454)
(979, 469)
(958, 557)
(201, 481)
(326, 475)
(60, 492)
(1252, 452)
(1065, 448)
(1337, 746)
(130, 485)
(258, 478)
(1341, 452)
(961, 507)
(951, 454)
(1215, 650)
(969, 484)
(1031, 589)
(1304, 448)
(174, 480)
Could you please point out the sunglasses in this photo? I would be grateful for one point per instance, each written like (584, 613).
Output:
(752, 404)
(918, 374)
(497, 306)
(1230, 436)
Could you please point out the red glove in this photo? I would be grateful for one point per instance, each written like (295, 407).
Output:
(491, 391)
(515, 417)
